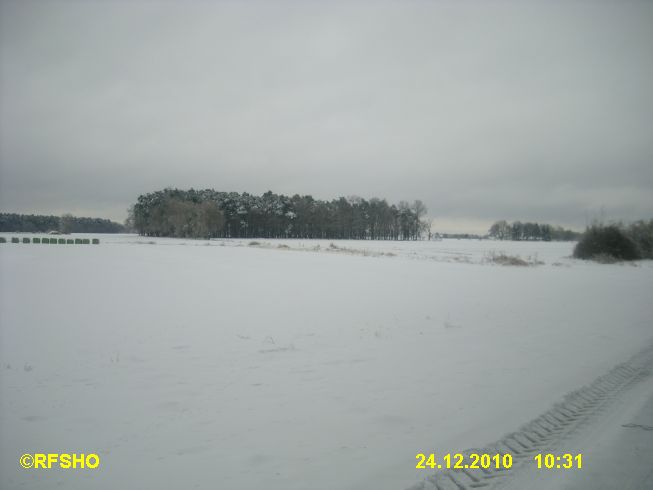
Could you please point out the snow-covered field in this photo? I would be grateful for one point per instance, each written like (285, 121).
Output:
(195, 364)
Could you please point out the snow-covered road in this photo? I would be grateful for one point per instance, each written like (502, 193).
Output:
(617, 450)
(606, 425)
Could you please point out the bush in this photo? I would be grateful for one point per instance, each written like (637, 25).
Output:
(96, 241)
(504, 259)
(25, 240)
(36, 240)
(605, 259)
(641, 233)
(606, 241)
(15, 239)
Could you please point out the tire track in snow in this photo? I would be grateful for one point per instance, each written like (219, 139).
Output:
(546, 431)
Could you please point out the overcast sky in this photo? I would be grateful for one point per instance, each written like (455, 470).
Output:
(484, 110)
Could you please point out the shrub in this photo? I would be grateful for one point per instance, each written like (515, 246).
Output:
(15, 239)
(25, 239)
(36, 240)
(45, 240)
(504, 259)
(96, 241)
(61, 241)
(605, 259)
(602, 241)
(641, 233)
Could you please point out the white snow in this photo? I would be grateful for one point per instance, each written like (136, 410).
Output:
(195, 364)
(616, 450)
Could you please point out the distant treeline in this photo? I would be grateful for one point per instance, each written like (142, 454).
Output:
(209, 213)
(460, 236)
(64, 224)
(502, 230)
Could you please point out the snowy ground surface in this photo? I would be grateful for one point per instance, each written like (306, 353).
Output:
(223, 364)
(617, 449)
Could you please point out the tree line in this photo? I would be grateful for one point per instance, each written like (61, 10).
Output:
(502, 230)
(208, 213)
(13, 222)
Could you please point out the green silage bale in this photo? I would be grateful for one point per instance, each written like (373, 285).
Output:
(70, 241)
(36, 240)
(45, 240)
(53, 241)
(78, 241)
(14, 239)
(25, 239)
(86, 241)
(61, 241)
(96, 241)
(3, 239)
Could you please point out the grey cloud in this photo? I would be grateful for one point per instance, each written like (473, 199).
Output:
(484, 111)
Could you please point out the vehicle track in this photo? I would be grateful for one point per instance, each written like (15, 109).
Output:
(546, 431)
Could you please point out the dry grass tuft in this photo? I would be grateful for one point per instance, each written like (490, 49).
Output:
(502, 258)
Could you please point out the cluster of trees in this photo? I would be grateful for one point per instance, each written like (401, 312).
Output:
(502, 230)
(618, 241)
(209, 213)
(65, 224)
(177, 217)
